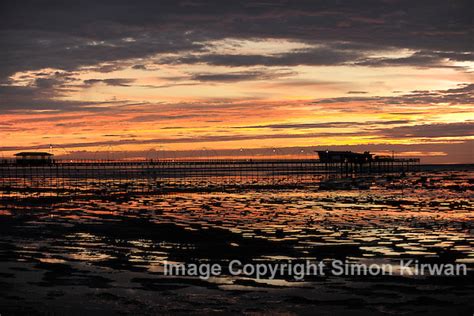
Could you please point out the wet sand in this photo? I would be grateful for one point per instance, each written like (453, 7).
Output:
(103, 254)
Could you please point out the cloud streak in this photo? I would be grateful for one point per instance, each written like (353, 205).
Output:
(91, 33)
(426, 130)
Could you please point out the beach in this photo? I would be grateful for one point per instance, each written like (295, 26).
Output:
(106, 254)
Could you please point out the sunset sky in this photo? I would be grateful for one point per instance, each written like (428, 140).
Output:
(142, 78)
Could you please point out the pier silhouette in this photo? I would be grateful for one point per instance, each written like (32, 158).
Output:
(114, 176)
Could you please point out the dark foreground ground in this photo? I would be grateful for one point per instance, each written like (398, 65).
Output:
(105, 255)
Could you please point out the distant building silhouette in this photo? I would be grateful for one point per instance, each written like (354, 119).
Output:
(328, 156)
(34, 158)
